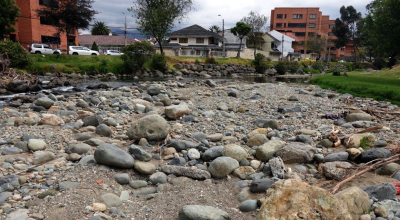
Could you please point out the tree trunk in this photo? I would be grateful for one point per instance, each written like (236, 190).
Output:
(240, 48)
(67, 43)
(160, 45)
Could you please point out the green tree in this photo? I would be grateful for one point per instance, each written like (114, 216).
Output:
(94, 46)
(241, 30)
(9, 13)
(257, 22)
(214, 28)
(156, 17)
(317, 43)
(100, 28)
(351, 17)
(367, 35)
(341, 31)
(69, 15)
(19, 58)
(136, 55)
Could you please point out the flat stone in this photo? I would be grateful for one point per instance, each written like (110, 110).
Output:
(108, 154)
(199, 212)
(186, 171)
(248, 206)
(111, 200)
(381, 192)
(19, 214)
(66, 185)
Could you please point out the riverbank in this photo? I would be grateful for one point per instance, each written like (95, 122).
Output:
(150, 150)
(380, 85)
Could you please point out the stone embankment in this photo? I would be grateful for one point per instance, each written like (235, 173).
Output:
(198, 150)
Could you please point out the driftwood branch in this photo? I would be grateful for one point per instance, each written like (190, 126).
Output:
(372, 167)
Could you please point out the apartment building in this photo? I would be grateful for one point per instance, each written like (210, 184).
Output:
(304, 23)
(32, 29)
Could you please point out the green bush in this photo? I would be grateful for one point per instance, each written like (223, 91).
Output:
(158, 62)
(211, 60)
(349, 65)
(19, 58)
(318, 66)
(379, 63)
(285, 66)
(334, 69)
(136, 55)
(94, 46)
(259, 63)
(281, 68)
(312, 71)
(293, 66)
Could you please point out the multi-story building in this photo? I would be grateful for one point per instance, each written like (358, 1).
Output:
(305, 23)
(33, 29)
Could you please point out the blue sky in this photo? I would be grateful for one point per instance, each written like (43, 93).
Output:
(207, 11)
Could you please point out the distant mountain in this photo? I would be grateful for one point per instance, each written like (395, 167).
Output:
(130, 33)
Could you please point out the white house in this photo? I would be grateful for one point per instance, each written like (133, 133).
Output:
(282, 43)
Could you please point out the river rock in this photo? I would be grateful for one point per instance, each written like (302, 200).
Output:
(274, 124)
(304, 139)
(243, 172)
(176, 111)
(388, 169)
(36, 144)
(261, 185)
(51, 119)
(288, 109)
(381, 192)
(111, 200)
(300, 199)
(212, 153)
(341, 156)
(158, 178)
(122, 178)
(233, 92)
(369, 155)
(144, 167)
(44, 102)
(151, 127)
(193, 154)
(186, 171)
(267, 150)
(248, 206)
(104, 130)
(392, 207)
(200, 212)
(180, 145)
(139, 153)
(111, 155)
(19, 214)
(358, 117)
(80, 148)
(365, 141)
(356, 201)
(336, 170)
(222, 166)
(296, 152)
(41, 157)
(234, 151)
(353, 153)
(257, 140)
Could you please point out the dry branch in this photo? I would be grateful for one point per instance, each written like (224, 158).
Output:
(373, 166)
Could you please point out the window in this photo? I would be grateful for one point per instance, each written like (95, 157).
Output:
(273, 46)
(49, 3)
(298, 16)
(285, 15)
(183, 40)
(311, 34)
(37, 46)
(311, 25)
(300, 34)
(284, 24)
(279, 16)
(342, 49)
(199, 40)
(47, 21)
(331, 34)
(313, 16)
(278, 25)
(331, 26)
(50, 40)
(297, 25)
(174, 39)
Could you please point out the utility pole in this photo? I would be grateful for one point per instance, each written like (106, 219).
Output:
(223, 36)
(125, 29)
(282, 45)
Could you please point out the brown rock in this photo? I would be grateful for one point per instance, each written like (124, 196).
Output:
(292, 199)
(365, 141)
(51, 119)
(243, 172)
(356, 201)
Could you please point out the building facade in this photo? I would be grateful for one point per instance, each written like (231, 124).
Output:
(32, 29)
(305, 23)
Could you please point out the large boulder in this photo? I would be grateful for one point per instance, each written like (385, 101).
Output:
(267, 150)
(381, 192)
(292, 199)
(296, 152)
(176, 111)
(356, 201)
(111, 155)
(234, 151)
(151, 127)
(200, 212)
(222, 166)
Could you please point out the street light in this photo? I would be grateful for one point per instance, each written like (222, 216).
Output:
(125, 28)
(223, 36)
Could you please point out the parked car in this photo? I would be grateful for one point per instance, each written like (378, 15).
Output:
(342, 61)
(43, 49)
(113, 53)
(79, 50)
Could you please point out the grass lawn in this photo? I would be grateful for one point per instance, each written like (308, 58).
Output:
(382, 85)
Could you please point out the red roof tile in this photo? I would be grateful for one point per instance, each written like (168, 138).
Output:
(105, 40)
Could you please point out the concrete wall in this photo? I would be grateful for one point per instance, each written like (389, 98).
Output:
(231, 38)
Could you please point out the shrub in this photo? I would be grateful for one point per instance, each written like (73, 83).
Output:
(334, 69)
(293, 66)
(136, 55)
(306, 63)
(158, 62)
(318, 66)
(349, 66)
(211, 60)
(94, 46)
(259, 63)
(281, 68)
(379, 63)
(285, 66)
(197, 62)
(19, 58)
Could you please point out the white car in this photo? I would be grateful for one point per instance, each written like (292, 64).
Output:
(342, 61)
(79, 50)
(113, 53)
(43, 49)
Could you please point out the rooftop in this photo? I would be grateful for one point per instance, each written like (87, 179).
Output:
(193, 31)
(105, 39)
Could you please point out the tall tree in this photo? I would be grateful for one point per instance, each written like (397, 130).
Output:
(9, 13)
(214, 28)
(68, 15)
(342, 32)
(257, 22)
(367, 35)
(241, 30)
(100, 28)
(351, 17)
(156, 17)
(317, 43)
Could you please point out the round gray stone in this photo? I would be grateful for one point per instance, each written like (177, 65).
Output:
(108, 154)
(158, 177)
(104, 130)
(199, 212)
(151, 127)
(122, 178)
(248, 206)
(222, 166)
(111, 200)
